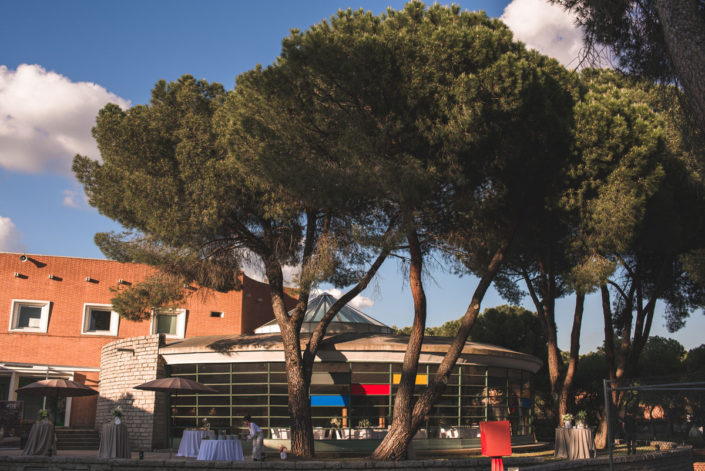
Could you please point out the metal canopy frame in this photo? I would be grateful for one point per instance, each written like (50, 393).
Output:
(608, 388)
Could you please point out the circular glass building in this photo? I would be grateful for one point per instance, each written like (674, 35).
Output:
(355, 378)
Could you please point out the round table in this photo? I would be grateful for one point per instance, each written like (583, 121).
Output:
(574, 443)
(40, 441)
(221, 450)
(114, 442)
(191, 442)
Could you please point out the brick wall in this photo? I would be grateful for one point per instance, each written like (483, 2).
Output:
(124, 364)
(65, 344)
(257, 299)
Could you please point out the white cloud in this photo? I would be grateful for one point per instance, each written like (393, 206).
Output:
(547, 28)
(255, 271)
(74, 199)
(291, 274)
(254, 268)
(46, 119)
(10, 237)
(358, 302)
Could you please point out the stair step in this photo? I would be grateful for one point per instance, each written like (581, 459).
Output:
(77, 439)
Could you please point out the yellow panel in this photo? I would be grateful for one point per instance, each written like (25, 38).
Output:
(420, 379)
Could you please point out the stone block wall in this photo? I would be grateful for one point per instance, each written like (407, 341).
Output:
(677, 459)
(124, 364)
(674, 460)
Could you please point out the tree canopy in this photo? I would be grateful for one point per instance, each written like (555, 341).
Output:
(657, 39)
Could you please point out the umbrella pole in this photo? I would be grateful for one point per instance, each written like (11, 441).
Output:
(169, 423)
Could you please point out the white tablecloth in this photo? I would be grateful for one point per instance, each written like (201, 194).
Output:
(449, 432)
(191, 442)
(221, 450)
(364, 433)
(326, 434)
(574, 443)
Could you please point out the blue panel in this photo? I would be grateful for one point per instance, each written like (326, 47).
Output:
(525, 402)
(342, 401)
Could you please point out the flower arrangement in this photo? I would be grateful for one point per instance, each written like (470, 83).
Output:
(581, 418)
(567, 419)
(117, 413)
(364, 423)
(205, 424)
(43, 414)
(335, 422)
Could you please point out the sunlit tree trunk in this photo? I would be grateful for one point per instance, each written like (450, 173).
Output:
(394, 444)
(397, 446)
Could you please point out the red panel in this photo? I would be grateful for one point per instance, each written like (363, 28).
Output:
(496, 438)
(370, 389)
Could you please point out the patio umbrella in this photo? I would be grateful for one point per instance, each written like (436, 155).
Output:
(57, 388)
(175, 385)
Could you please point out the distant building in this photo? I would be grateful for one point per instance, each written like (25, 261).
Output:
(58, 317)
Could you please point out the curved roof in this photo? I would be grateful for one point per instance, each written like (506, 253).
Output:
(348, 319)
(353, 347)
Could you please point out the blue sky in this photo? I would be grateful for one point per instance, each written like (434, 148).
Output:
(61, 61)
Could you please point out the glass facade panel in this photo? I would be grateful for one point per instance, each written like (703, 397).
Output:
(213, 368)
(364, 398)
(182, 370)
(277, 378)
(211, 379)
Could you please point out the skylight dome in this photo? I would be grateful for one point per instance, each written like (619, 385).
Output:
(348, 319)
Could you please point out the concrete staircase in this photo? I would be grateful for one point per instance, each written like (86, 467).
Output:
(77, 439)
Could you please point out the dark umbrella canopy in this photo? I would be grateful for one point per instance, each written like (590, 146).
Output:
(57, 388)
(175, 385)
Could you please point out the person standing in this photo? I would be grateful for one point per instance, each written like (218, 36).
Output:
(256, 437)
(630, 430)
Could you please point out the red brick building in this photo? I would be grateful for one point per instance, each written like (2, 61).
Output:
(55, 316)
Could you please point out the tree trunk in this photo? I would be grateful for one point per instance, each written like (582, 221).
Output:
(299, 411)
(601, 434)
(567, 386)
(684, 35)
(555, 362)
(297, 380)
(437, 385)
(546, 310)
(395, 442)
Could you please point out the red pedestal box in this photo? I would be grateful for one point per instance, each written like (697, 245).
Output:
(496, 438)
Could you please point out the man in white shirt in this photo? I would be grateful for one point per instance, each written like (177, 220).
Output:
(256, 437)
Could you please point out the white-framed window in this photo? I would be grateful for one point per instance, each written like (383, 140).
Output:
(170, 322)
(29, 315)
(99, 319)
